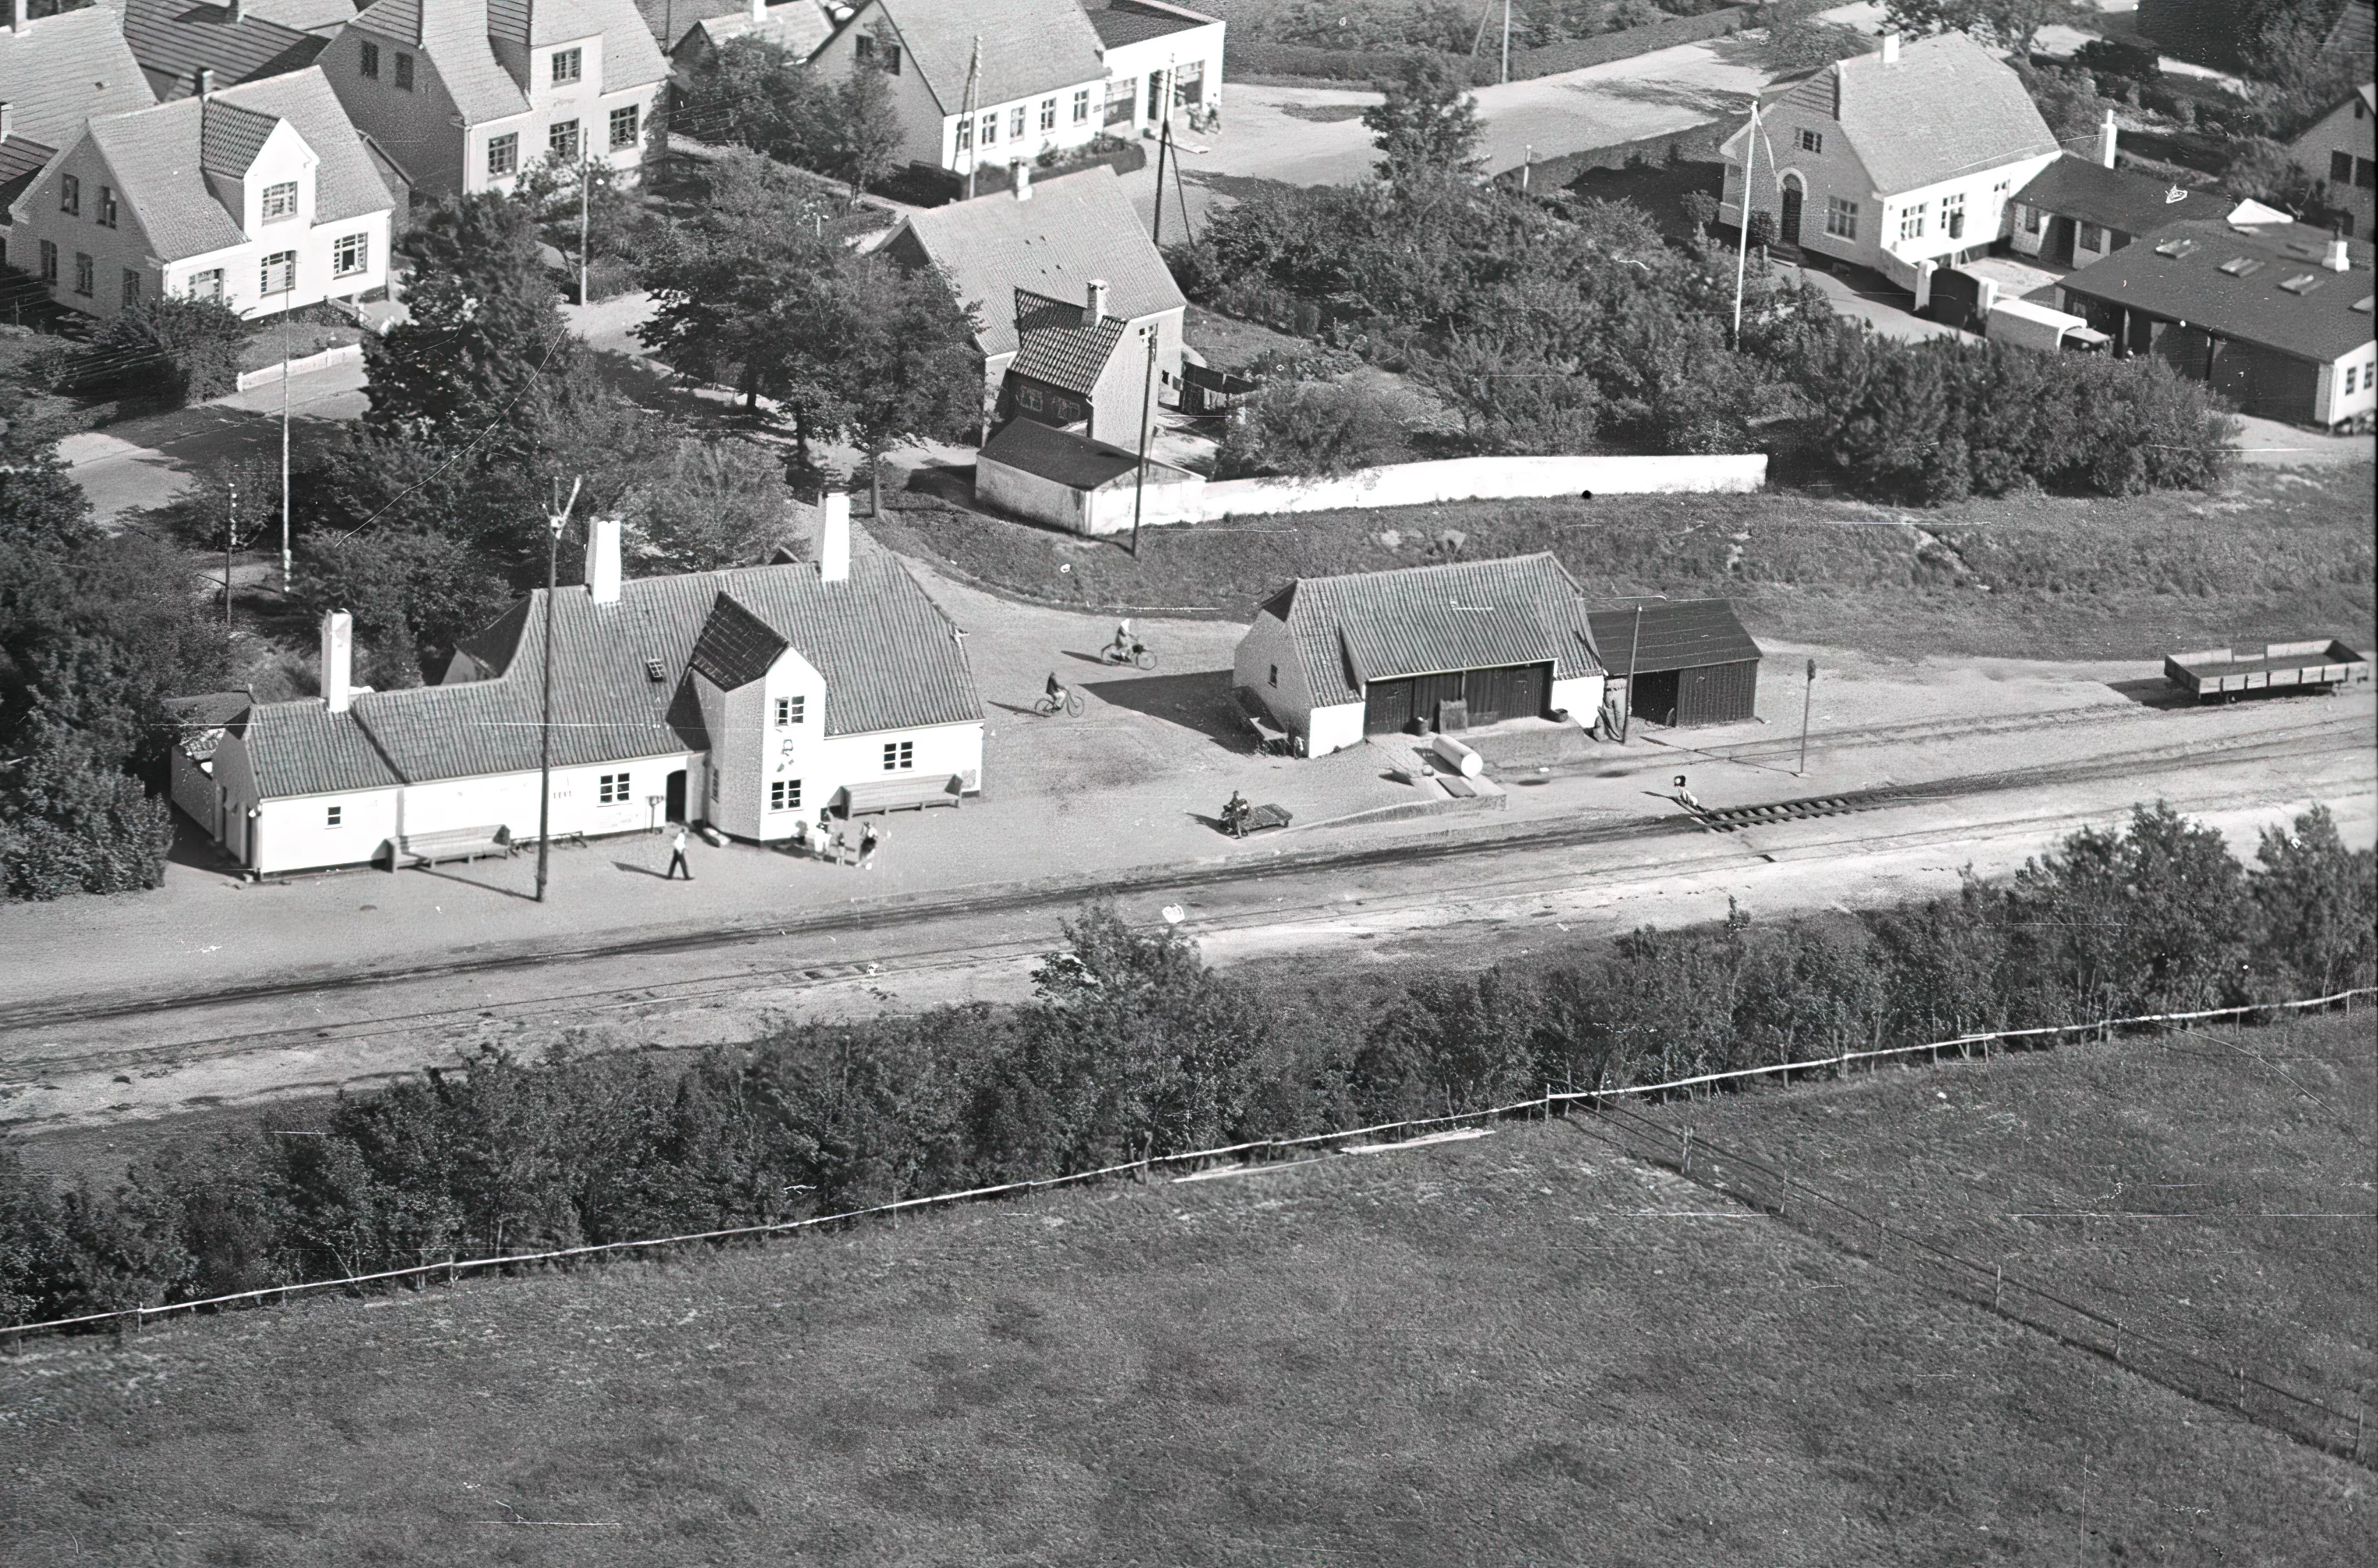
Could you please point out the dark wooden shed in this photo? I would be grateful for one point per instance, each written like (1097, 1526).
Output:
(1696, 663)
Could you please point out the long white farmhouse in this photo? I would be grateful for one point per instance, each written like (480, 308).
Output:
(744, 698)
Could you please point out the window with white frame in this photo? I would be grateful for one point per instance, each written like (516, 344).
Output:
(84, 271)
(569, 65)
(1029, 396)
(1048, 113)
(332, 816)
(1015, 123)
(278, 275)
(611, 790)
(966, 134)
(280, 201)
(562, 141)
(1840, 217)
(1812, 141)
(989, 131)
(792, 710)
(503, 154)
(350, 254)
(208, 284)
(899, 754)
(1911, 224)
(627, 125)
(1952, 216)
(1081, 105)
(784, 794)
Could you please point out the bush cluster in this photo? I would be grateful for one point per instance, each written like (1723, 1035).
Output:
(1134, 1049)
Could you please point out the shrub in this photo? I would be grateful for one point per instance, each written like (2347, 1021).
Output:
(1308, 429)
(187, 350)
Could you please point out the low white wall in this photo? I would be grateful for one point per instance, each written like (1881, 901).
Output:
(1484, 478)
(1333, 728)
(1173, 495)
(344, 354)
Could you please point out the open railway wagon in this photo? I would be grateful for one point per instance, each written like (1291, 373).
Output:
(2222, 674)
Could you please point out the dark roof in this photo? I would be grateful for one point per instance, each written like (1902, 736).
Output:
(1426, 620)
(20, 159)
(1686, 635)
(2180, 277)
(1060, 455)
(202, 720)
(1121, 21)
(1029, 46)
(889, 654)
(68, 68)
(736, 647)
(661, 16)
(1053, 344)
(1075, 228)
(2080, 187)
(173, 38)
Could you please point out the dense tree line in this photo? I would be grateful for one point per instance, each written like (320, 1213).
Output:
(758, 94)
(1133, 1048)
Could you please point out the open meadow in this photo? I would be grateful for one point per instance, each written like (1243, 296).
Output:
(2281, 554)
(1517, 1348)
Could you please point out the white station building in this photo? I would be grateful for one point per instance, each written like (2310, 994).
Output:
(744, 698)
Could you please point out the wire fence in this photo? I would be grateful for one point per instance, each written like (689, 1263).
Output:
(2335, 1424)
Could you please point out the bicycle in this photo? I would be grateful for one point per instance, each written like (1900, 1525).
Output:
(1070, 703)
(1134, 652)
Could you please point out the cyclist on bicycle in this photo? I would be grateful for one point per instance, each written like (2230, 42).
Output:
(1056, 689)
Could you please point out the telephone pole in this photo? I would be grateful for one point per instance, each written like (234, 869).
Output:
(554, 523)
(974, 152)
(1506, 40)
(1807, 697)
(585, 197)
(1742, 250)
(1146, 424)
(284, 458)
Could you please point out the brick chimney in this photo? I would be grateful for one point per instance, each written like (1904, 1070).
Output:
(759, 10)
(834, 537)
(602, 560)
(337, 659)
(206, 81)
(235, 12)
(1094, 308)
(2107, 133)
(1020, 176)
(1890, 49)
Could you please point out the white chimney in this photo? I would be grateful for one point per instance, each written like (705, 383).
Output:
(602, 560)
(238, 11)
(2105, 135)
(834, 538)
(8, 121)
(17, 17)
(1021, 174)
(1095, 309)
(759, 10)
(1890, 49)
(338, 658)
(206, 81)
(2340, 257)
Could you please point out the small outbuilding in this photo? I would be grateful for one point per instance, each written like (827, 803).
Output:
(1334, 660)
(1680, 662)
(1069, 481)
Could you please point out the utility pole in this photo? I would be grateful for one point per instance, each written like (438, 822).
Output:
(1627, 724)
(1507, 41)
(974, 78)
(1742, 250)
(554, 523)
(1146, 425)
(231, 533)
(284, 459)
(585, 195)
(1807, 697)
(1163, 146)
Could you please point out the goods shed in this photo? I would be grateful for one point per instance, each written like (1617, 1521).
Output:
(1696, 663)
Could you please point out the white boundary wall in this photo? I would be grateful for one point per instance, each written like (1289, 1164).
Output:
(1485, 479)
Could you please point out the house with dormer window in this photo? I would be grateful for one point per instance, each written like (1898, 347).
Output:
(260, 196)
(465, 94)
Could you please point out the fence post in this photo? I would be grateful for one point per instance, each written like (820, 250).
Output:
(2241, 1391)
(2117, 1339)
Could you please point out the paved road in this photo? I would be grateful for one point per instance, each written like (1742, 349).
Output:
(142, 464)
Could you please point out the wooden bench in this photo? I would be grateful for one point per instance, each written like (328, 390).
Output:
(450, 844)
(900, 794)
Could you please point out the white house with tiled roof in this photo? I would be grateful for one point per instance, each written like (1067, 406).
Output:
(260, 196)
(1334, 660)
(465, 94)
(748, 698)
(1893, 160)
(2341, 148)
(1155, 53)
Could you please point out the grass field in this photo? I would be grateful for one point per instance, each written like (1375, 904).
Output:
(1513, 1350)
(2282, 554)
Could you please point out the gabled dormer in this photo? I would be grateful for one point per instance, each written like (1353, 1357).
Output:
(260, 168)
(553, 48)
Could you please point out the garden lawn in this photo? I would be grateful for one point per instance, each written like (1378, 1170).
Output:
(1511, 1350)
(2282, 554)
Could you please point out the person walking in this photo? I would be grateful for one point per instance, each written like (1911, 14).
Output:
(801, 840)
(676, 857)
(826, 849)
(867, 840)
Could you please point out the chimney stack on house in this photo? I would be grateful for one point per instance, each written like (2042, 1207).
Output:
(2340, 256)
(602, 560)
(337, 659)
(1094, 309)
(17, 17)
(1890, 49)
(2106, 135)
(206, 81)
(759, 10)
(1020, 174)
(834, 537)
(235, 12)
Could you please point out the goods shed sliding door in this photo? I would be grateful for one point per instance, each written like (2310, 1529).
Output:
(1515, 690)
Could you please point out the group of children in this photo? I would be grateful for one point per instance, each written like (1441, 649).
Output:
(828, 842)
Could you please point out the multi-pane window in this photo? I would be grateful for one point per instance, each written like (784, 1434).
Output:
(568, 63)
(208, 284)
(1029, 396)
(2092, 237)
(280, 201)
(131, 288)
(350, 254)
(1048, 113)
(562, 141)
(279, 273)
(611, 790)
(368, 61)
(1081, 105)
(84, 273)
(1952, 215)
(503, 155)
(898, 754)
(1911, 224)
(891, 59)
(784, 794)
(966, 134)
(626, 126)
(403, 72)
(792, 710)
(990, 129)
(49, 261)
(1015, 123)
(1812, 141)
(1840, 217)
(2340, 168)
(106, 213)
(332, 816)
(70, 196)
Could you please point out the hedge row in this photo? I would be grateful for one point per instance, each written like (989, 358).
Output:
(1133, 1049)
(1259, 58)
